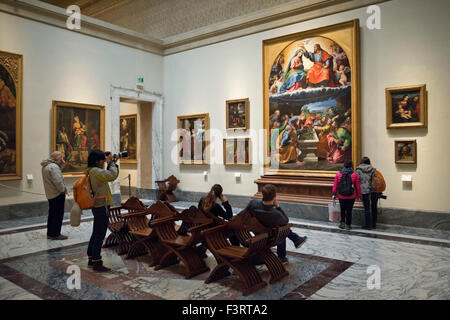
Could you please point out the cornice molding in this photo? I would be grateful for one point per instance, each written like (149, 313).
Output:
(282, 15)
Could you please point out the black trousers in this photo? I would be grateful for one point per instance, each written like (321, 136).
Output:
(370, 201)
(55, 215)
(346, 210)
(281, 248)
(98, 232)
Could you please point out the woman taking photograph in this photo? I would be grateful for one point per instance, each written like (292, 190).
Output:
(99, 179)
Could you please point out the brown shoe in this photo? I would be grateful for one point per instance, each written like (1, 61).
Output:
(60, 237)
(90, 264)
(98, 266)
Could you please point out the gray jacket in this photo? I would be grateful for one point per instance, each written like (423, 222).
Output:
(365, 174)
(53, 179)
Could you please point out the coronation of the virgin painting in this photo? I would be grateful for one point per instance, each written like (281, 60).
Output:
(310, 105)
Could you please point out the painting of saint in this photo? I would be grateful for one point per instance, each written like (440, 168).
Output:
(76, 129)
(128, 137)
(193, 139)
(405, 151)
(10, 116)
(238, 113)
(308, 100)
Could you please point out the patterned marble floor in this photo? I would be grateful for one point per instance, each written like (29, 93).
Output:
(333, 264)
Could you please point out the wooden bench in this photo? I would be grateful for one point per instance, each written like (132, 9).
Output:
(120, 238)
(245, 224)
(166, 188)
(236, 257)
(179, 246)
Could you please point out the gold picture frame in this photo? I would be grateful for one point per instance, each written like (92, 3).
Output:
(238, 114)
(128, 137)
(311, 85)
(406, 107)
(233, 155)
(405, 151)
(77, 129)
(11, 86)
(193, 139)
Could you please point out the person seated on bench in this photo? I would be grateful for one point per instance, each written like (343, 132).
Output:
(209, 204)
(269, 213)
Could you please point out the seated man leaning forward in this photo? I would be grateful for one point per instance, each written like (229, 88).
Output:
(269, 213)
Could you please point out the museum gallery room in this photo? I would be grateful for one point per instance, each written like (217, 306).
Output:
(232, 150)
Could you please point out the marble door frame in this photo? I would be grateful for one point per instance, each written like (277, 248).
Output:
(157, 118)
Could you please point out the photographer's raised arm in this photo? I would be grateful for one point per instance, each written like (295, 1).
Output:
(108, 175)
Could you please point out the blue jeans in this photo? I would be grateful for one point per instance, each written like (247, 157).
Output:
(98, 233)
(370, 204)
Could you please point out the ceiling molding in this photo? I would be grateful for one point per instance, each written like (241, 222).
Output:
(282, 15)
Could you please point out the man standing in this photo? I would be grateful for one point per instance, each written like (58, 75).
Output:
(55, 190)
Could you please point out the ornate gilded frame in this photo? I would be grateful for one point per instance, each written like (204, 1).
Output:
(62, 104)
(346, 34)
(13, 63)
(247, 140)
(422, 123)
(246, 103)
(413, 151)
(207, 142)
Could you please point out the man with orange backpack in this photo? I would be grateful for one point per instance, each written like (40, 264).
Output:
(372, 184)
(99, 178)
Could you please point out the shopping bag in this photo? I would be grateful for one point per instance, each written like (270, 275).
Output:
(75, 215)
(334, 212)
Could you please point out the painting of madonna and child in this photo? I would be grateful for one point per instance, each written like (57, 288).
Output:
(310, 106)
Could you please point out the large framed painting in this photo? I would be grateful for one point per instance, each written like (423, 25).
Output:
(10, 116)
(238, 113)
(311, 100)
(405, 151)
(77, 129)
(128, 137)
(406, 107)
(193, 139)
(237, 152)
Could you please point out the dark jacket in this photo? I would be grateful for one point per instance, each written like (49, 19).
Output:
(218, 211)
(269, 215)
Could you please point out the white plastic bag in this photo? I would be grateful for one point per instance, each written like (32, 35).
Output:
(75, 215)
(334, 212)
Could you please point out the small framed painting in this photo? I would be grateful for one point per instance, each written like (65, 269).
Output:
(405, 151)
(193, 139)
(238, 113)
(406, 107)
(237, 152)
(128, 137)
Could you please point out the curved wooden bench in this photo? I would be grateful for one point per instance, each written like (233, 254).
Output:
(120, 238)
(249, 223)
(237, 258)
(146, 238)
(180, 246)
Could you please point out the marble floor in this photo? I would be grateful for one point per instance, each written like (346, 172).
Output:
(387, 263)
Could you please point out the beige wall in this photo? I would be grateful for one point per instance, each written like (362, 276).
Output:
(63, 65)
(410, 48)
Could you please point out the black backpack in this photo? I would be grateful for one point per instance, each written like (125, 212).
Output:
(345, 186)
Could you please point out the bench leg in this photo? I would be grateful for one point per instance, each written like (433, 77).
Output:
(169, 258)
(274, 265)
(192, 261)
(219, 272)
(250, 277)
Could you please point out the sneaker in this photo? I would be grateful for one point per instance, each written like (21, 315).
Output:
(300, 241)
(348, 227)
(283, 259)
(60, 237)
(342, 225)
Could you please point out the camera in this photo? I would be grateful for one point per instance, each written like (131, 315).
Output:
(122, 154)
(382, 196)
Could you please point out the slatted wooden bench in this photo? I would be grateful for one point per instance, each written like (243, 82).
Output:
(120, 238)
(245, 224)
(166, 188)
(181, 247)
(235, 257)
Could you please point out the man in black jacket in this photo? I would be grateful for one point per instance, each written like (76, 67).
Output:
(269, 213)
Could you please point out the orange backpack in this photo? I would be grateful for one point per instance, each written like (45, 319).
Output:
(378, 183)
(82, 193)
